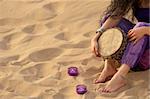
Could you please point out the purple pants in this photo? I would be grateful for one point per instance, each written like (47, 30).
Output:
(136, 56)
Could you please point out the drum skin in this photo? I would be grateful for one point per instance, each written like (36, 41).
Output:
(112, 43)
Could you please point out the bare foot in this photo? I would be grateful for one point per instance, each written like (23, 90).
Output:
(114, 84)
(106, 75)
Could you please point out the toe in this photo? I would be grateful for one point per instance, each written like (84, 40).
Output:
(108, 91)
(104, 90)
(95, 81)
(101, 90)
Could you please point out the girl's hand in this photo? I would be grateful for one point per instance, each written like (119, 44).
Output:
(95, 47)
(136, 34)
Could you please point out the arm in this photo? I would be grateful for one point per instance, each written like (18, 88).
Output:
(110, 22)
(146, 30)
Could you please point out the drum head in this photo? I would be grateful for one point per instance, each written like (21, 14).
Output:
(110, 41)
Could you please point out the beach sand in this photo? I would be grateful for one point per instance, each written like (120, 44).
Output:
(40, 39)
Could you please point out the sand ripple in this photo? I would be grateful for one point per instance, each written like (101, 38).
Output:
(40, 39)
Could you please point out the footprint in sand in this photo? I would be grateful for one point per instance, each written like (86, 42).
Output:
(41, 14)
(27, 38)
(65, 63)
(68, 46)
(58, 96)
(4, 29)
(3, 45)
(90, 74)
(1, 86)
(33, 73)
(50, 96)
(45, 54)
(35, 29)
(50, 91)
(81, 44)
(37, 72)
(21, 62)
(68, 90)
(10, 85)
(10, 21)
(4, 73)
(49, 82)
(57, 7)
(5, 42)
(6, 60)
(33, 1)
(90, 95)
(3, 21)
(8, 38)
(29, 29)
(89, 34)
(85, 61)
(61, 36)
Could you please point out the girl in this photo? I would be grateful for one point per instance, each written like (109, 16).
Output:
(136, 55)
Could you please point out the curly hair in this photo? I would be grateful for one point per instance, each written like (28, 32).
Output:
(122, 7)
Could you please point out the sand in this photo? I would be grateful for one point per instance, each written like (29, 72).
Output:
(40, 39)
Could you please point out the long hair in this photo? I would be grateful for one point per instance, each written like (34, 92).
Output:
(122, 7)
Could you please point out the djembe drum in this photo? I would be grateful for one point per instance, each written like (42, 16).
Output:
(112, 44)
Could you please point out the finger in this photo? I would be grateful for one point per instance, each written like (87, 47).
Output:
(92, 49)
(129, 31)
(95, 51)
(135, 41)
(96, 48)
(133, 38)
(130, 34)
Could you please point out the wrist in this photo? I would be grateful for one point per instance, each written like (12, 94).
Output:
(100, 30)
(98, 34)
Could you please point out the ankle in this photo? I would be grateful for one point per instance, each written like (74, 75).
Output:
(123, 70)
(110, 68)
